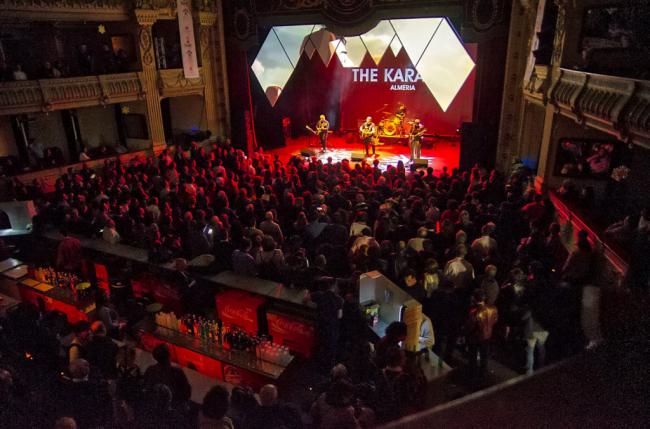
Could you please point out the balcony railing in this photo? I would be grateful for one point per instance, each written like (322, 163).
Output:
(56, 94)
(615, 105)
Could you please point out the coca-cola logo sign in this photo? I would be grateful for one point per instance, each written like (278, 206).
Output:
(284, 326)
(232, 375)
(240, 314)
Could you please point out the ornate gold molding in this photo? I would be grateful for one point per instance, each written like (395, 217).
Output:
(69, 93)
(617, 106)
(207, 18)
(173, 83)
(146, 17)
(66, 10)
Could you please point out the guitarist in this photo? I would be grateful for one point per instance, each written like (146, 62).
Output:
(368, 131)
(415, 139)
(322, 130)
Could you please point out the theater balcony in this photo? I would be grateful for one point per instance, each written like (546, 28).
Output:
(46, 95)
(614, 105)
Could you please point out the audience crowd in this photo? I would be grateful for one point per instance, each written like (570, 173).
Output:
(478, 249)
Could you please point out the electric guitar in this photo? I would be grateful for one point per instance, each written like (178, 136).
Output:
(367, 132)
(315, 132)
(420, 133)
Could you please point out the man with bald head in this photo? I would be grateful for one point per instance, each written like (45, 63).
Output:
(270, 227)
(270, 413)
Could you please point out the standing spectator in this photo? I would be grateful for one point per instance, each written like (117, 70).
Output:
(101, 351)
(109, 233)
(162, 372)
(489, 284)
(38, 152)
(243, 262)
(578, 266)
(18, 73)
(85, 399)
(459, 271)
(85, 60)
(68, 253)
(329, 310)
(478, 331)
(334, 409)
(395, 334)
(77, 348)
(270, 227)
(214, 408)
(271, 413)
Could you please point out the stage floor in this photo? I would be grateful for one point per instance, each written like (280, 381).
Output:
(442, 153)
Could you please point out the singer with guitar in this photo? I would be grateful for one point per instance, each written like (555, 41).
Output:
(321, 131)
(415, 139)
(368, 133)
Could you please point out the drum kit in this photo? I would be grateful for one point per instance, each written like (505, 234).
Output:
(391, 125)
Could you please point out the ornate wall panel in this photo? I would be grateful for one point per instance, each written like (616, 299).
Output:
(173, 83)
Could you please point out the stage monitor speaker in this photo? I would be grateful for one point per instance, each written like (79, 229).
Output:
(307, 152)
(358, 156)
(421, 163)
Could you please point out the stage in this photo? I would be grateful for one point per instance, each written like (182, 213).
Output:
(438, 152)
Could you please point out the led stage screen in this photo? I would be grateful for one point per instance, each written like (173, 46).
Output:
(305, 70)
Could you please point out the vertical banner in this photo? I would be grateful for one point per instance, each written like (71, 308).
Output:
(188, 44)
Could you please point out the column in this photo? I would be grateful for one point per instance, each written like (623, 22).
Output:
(149, 78)
(207, 20)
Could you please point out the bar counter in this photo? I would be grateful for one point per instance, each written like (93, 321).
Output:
(56, 298)
(210, 358)
(270, 289)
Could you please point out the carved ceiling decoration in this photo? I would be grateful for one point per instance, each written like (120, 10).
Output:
(485, 14)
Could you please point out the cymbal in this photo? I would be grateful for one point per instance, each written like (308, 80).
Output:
(387, 113)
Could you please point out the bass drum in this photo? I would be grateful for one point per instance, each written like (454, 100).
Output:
(389, 128)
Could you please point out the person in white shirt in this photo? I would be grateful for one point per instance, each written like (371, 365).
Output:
(458, 270)
(485, 246)
(19, 74)
(110, 234)
(427, 336)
